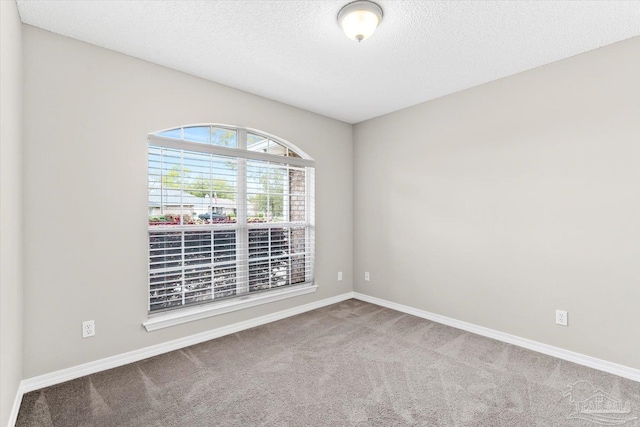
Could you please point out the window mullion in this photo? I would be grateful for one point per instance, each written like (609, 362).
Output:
(290, 261)
(242, 233)
(270, 253)
(183, 233)
(309, 244)
(161, 181)
(269, 214)
(286, 210)
(182, 187)
(213, 234)
(213, 265)
(286, 207)
(184, 281)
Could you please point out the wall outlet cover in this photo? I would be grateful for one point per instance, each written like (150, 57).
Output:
(88, 328)
(562, 318)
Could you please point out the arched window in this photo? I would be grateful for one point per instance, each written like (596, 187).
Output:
(231, 214)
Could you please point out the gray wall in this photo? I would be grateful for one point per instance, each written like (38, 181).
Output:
(10, 206)
(88, 112)
(501, 203)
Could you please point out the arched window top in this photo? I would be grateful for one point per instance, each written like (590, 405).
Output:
(204, 134)
(233, 137)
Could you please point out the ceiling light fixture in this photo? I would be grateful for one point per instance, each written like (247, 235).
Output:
(360, 19)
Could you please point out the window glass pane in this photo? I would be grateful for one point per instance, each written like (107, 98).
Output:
(171, 177)
(197, 248)
(279, 244)
(297, 210)
(224, 137)
(259, 259)
(165, 290)
(224, 259)
(267, 188)
(165, 261)
(277, 208)
(258, 275)
(198, 134)
(155, 177)
(277, 149)
(297, 180)
(257, 173)
(197, 285)
(279, 272)
(297, 199)
(173, 133)
(165, 178)
(259, 243)
(298, 248)
(195, 188)
(224, 249)
(277, 257)
(165, 250)
(223, 188)
(182, 264)
(192, 187)
(291, 153)
(225, 281)
(257, 143)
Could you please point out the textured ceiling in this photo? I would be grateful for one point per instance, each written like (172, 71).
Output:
(294, 51)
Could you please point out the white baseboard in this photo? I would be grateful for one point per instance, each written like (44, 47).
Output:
(13, 417)
(560, 353)
(74, 372)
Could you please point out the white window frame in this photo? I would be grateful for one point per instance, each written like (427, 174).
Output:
(188, 313)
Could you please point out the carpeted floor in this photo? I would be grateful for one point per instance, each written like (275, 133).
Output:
(349, 364)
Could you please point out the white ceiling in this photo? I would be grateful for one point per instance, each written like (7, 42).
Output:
(294, 52)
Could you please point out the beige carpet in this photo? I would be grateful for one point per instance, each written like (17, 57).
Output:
(349, 364)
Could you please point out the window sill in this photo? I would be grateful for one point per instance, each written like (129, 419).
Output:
(177, 317)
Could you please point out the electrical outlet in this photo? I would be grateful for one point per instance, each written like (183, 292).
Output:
(339, 276)
(88, 328)
(562, 318)
(366, 276)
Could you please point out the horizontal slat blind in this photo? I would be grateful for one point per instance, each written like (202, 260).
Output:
(201, 249)
(191, 266)
(278, 256)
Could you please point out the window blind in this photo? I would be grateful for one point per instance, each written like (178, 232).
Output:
(224, 226)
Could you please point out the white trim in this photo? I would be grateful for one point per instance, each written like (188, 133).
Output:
(89, 368)
(13, 416)
(181, 144)
(560, 353)
(184, 315)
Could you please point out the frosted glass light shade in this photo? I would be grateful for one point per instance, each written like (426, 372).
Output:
(360, 19)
